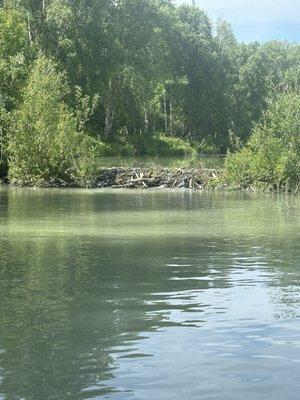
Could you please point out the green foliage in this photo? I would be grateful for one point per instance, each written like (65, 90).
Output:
(45, 146)
(156, 145)
(168, 145)
(3, 170)
(13, 53)
(271, 158)
(159, 144)
(158, 68)
(116, 148)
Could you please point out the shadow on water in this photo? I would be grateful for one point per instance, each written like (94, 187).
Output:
(134, 295)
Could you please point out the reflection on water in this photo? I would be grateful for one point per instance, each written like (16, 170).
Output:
(148, 295)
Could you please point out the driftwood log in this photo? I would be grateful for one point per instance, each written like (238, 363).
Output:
(127, 177)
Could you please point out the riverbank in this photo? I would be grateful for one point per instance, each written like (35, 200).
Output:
(197, 178)
(149, 177)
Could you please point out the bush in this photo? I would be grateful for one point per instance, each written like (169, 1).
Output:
(208, 145)
(160, 144)
(45, 146)
(146, 145)
(271, 158)
(3, 170)
(173, 146)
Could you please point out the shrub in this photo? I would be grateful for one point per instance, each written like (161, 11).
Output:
(173, 146)
(45, 146)
(146, 145)
(3, 170)
(160, 144)
(271, 158)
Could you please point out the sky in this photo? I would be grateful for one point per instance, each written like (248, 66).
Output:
(256, 19)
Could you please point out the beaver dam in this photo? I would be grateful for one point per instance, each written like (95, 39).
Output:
(143, 178)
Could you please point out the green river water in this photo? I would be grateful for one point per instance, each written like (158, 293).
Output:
(149, 295)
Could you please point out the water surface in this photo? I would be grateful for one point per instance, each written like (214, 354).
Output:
(149, 295)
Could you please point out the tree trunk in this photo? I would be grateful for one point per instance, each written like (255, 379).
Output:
(146, 121)
(165, 112)
(1, 144)
(109, 119)
(167, 109)
(171, 118)
(109, 112)
(30, 35)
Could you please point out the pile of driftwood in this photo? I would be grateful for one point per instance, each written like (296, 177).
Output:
(128, 177)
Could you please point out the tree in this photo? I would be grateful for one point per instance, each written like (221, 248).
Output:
(271, 158)
(137, 73)
(13, 70)
(45, 147)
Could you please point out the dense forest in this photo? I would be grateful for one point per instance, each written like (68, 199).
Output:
(85, 78)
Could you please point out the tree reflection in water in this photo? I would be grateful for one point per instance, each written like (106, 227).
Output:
(85, 276)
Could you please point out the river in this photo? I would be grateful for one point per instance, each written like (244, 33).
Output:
(149, 295)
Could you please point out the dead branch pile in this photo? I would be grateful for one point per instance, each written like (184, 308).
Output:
(194, 178)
